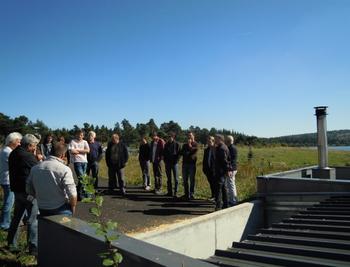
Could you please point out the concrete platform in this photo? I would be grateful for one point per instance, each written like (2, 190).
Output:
(140, 211)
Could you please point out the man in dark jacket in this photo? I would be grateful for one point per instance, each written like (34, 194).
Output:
(21, 160)
(157, 147)
(116, 158)
(222, 171)
(93, 157)
(209, 164)
(231, 180)
(144, 157)
(171, 159)
(189, 159)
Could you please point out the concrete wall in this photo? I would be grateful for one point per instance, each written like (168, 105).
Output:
(71, 242)
(199, 237)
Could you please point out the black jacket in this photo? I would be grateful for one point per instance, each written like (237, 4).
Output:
(20, 163)
(189, 154)
(144, 152)
(171, 152)
(222, 160)
(209, 166)
(117, 155)
(233, 157)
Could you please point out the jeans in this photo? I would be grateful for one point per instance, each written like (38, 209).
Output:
(65, 209)
(80, 171)
(145, 172)
(157, 172)
(93, 168)
(189, 171)
(231, 190)
(113, 173)
(31, 207)
(5, 218)
(221, 198)
(172, 168)
(211, 181)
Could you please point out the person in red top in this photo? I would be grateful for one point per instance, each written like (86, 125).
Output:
(157, 148)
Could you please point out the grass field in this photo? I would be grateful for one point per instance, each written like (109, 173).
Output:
(265, 160)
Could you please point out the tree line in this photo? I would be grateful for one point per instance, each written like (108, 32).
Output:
(129, 133)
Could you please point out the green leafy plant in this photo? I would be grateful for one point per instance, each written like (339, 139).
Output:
(103, 228)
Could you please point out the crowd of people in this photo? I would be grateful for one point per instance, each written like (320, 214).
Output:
(36, 178)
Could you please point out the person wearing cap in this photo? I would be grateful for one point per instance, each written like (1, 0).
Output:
(12, 141)
(21, 160)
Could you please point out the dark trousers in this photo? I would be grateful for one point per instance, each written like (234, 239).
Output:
(157, 172)
(221, 197)
(211, 181)
(144, 164)
(189, 173)
(172, 168)
(113, 174)
(80, 171)
(92, 167)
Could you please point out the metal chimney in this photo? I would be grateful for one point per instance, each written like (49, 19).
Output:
(322, 146)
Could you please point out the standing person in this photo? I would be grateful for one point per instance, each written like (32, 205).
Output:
(189, 159)
(222, 171)
(62, 140)
(12, 141)
(231, 180)
(171, 159)
(209, 164)
(157, 147)
(21, 160)
(116, 158)
(78, 149)
(47, 146)
(93, 157)
(51, 182)
(144, 158)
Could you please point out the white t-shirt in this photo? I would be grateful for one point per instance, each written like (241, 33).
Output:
(75, 144)
(4, 165)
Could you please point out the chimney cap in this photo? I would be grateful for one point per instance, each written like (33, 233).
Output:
(321, 110)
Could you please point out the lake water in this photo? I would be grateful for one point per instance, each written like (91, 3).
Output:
(343, 148)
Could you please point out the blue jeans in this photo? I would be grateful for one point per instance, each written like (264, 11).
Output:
(80, 171)
(145, 172)
(5, 218)
(172, 168)
(92, 167)
(65, 209)
(22, 205)
(189, 171)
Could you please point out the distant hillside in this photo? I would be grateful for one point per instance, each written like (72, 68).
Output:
(335, 138)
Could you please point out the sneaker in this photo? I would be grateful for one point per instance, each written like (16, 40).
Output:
(157, 192)
(147, 188)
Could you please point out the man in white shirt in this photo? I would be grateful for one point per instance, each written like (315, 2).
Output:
(12, 141)
(78, 149)
(51, 183)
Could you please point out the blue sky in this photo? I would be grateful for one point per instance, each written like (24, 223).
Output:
(254, 66)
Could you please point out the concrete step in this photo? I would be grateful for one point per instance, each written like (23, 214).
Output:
(328, 228)
(322, 216)
(317, 221)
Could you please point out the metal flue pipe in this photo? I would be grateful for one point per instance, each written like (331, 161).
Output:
(322, 146)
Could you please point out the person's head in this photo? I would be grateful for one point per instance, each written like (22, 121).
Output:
(115, 138)
(171, 136)
(61, 140)
(91, 136)
(79, 134)
(60, 150)
(210, 140)
(219, 139)
(143, 140)
(190, 136)
(229, 140)
(29, 142)
(155, 137)
(13, 140)
(48, 139)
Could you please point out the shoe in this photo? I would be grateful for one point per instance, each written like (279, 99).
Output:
(157, 192)
(169, 194)
(191, 198)
(123, 192)
(147, 188)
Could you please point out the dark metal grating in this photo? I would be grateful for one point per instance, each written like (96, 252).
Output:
(317, 236)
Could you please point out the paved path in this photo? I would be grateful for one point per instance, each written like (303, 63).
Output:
(142, 210)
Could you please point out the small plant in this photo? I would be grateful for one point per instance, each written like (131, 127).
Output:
(105, 229)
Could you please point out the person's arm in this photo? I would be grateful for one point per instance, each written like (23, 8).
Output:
(29, 185)
(107, 155)
(86, 148)
(126, 154)
(70, 188)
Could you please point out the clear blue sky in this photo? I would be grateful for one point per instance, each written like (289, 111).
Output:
(254, 66)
